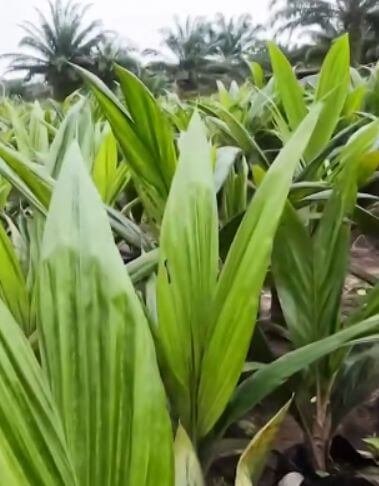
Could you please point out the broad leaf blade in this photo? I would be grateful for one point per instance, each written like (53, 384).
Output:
(332, 89)
(28, 178)
(187, 271)
(239, 286)
(105, 166)
(150, 123)
(149, 165)
(95, 344)
(13, 290)
(290, 91)
(33, 449)
(292, 268)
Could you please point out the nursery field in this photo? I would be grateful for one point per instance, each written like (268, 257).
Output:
(189, 289)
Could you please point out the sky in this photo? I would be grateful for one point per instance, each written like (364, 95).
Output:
(138, 20)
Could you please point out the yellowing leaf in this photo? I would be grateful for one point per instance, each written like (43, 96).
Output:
(253, 460)
(187, 467)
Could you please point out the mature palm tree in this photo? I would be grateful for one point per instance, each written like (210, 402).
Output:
(111, 51)
(324, 19)
(190, 43)
(205, 51)
(237, 37)
(62, 37)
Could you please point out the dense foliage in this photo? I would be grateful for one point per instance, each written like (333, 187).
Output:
(113, 375)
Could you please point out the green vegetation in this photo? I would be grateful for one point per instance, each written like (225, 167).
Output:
(114, 374)
(196, 53)
(324, 20)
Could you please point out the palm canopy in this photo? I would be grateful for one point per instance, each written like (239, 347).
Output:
(236, 37)
(208, 49)
(325, 19)
(189, 41)
(61, 37)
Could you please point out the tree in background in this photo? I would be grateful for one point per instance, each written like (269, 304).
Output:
(61, 37)
(190, 45)
(207, 50)
(236, 38)
(323, 20)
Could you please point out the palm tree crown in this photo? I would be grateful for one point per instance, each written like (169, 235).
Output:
(59, 38)
(324, 19)
(236, 37)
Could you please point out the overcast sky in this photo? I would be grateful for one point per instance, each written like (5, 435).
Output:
(138, 20)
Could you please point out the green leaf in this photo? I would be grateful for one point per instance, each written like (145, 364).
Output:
(356, 381)
(309, 273)
(332, 89)
(28, 178)
(144, 136)
(39, 136)
(355, 101)
(13, 290)
(31, 181)
(187, 273)
(19, 130)
(241, 280)
(289, 90)
(63, 139)
(105, 166)
(33, 448)
(187, 467)
(292, 267)
(234, 194)
(273, 375)
(229, 124)
(373, 443)
(96, 347)
(225, 158)
(257, 74)
(150, 123)
(253, 460)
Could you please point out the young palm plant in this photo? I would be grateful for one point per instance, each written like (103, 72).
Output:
(97, 361)
(93, 411)
(310, 264)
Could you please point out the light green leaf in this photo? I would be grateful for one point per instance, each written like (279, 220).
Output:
(290, 91)
(188, 268)
(332, 89)
(19, 130)
(28, 178)
(144, 136)
(105, 166)
(96, 347)
(257, 74)
(13, 290)
(225, 158)
(38, 132)
(241, 280)
(33, 448)
(229, 124)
